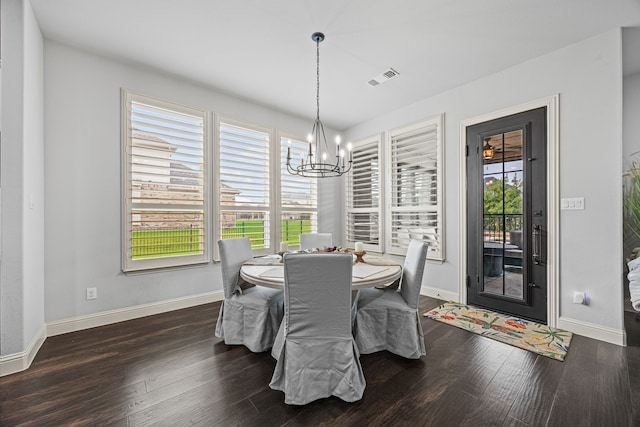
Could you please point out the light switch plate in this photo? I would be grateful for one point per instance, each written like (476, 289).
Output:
(573, 203)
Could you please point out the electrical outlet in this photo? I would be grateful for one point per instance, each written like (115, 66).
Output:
(580, 298)
(92, 293)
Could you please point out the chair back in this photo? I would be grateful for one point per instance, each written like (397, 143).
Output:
(233, 253)
(413, 271)
(318, 295)
(315, 240)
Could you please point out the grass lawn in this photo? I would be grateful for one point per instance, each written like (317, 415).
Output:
(166, 243)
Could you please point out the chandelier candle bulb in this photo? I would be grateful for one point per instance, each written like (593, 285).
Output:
(359, 247)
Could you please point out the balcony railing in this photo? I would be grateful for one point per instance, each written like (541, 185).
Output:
(498, 228)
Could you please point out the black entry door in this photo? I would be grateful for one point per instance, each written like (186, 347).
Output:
(507, 215)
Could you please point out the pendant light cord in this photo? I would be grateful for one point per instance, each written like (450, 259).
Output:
(318, 79)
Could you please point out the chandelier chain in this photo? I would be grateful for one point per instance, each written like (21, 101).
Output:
(318, 79)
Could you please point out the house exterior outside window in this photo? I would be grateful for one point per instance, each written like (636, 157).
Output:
(165, 192)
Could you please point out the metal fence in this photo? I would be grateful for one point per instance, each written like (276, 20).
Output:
(497, 228)
(156, 242)
(257, 231)
(153, 242)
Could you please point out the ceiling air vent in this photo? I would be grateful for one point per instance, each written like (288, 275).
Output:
(384, 77)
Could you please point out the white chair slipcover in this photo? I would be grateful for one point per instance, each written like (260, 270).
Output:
(316, 354)
(388, 319)
(315, 240)
(249, 315)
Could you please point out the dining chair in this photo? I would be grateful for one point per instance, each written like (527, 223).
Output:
(249, 315)
(388, 319)
(316, 354)
(315, 240)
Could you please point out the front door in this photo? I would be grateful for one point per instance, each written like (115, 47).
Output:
(507, 214)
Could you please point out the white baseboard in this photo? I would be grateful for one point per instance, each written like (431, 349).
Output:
(114, 316)
(590, 330)
(17, 362)
(439, 294)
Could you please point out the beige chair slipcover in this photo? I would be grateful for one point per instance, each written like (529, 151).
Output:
(316, 354)
(316, 240)
(249, 315)
(388, 319)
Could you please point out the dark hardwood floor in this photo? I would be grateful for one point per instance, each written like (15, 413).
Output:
(170, 370)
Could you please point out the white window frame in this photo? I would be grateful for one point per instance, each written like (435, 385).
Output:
(128, 263)
(434, 232)
(275, 208)
(270, 208)
(366, 143)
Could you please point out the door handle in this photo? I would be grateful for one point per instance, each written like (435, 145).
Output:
(537, 243)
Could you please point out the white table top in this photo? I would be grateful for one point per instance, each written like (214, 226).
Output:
(365, 275)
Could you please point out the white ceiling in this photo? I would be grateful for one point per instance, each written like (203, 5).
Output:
(262, 50)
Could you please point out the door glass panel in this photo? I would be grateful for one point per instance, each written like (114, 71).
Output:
(502, 217)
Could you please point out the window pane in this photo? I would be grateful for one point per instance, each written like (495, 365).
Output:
(416, 187)
(299, 195)
(364, 184)
(296, 223)
(296, 191)
(363, 195)
(251, 224)
(503, 215)
(165, 207)
(364, 227)
(244, 183)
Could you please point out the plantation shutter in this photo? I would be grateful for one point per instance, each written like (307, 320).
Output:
(416, 188)
(244, 183)
(298, 195)
(363, 196)
(165, 214)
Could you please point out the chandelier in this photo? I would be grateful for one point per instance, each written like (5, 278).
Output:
(317, 163)
(487, 150)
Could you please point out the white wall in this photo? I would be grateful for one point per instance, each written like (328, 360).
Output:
(22, 177)
(82, 171)
(33, 187)
(588, 77)
(82, 175)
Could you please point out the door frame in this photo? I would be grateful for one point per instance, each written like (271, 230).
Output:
(553, 190)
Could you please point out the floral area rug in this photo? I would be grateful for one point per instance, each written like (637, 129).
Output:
(532, 336)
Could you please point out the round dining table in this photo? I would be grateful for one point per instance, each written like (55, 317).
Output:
(375, 272)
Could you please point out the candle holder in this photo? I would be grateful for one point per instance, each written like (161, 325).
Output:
(281, 255)
(359, 256)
